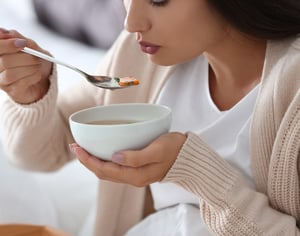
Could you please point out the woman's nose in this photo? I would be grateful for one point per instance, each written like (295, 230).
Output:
(136, 18)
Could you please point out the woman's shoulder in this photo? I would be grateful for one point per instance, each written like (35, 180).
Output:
(293, 52)
(289, 68)
(286, 51)
(282, 62)
(286, 44)
(296, 43)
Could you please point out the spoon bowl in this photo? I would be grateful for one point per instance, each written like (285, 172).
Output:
(106, 82)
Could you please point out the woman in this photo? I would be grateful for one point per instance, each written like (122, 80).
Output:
(229, 71)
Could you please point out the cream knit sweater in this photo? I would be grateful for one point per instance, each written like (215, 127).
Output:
(36, 137)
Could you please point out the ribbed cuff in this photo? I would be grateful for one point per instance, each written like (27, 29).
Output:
(30, 114)
(203, 172)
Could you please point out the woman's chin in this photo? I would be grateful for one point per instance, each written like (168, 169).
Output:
(169, 61)
(163, 61)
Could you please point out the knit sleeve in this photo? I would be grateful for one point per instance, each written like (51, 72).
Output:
(28, 131)
(227, 205)
(34, 136)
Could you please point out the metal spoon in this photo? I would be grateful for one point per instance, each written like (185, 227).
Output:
(105, 82)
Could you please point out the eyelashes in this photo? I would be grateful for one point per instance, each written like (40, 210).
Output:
(159, 3)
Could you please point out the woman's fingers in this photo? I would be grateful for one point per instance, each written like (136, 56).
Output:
(11, 76)
(16, 60)
(11, 41)
(25, 78)
(163, 149)
(114, 172)
(138, 168)
(13, 45)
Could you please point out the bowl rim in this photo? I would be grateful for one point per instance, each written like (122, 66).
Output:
(76, 113)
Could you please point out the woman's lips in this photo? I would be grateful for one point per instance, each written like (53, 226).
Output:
(148, 47)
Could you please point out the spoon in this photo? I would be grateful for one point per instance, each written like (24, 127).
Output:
(105, 82)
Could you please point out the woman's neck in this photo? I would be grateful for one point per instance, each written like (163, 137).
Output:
(236, 67)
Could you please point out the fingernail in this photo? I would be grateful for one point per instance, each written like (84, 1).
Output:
(20, 43)
(118, 158)
(4, 31)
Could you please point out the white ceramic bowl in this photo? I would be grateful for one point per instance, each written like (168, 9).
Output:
(102, 140)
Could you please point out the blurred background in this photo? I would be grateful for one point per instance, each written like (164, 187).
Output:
(79, 33)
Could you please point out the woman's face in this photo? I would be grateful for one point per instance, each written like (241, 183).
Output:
(174, 31)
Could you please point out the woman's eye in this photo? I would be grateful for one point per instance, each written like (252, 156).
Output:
(159, 3)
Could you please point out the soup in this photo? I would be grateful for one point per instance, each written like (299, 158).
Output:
(111, 122)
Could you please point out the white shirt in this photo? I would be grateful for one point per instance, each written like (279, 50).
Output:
(227, 132)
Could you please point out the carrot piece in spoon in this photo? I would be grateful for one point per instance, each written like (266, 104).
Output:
(128, 81)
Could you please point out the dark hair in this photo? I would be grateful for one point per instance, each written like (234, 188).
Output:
(266, 19)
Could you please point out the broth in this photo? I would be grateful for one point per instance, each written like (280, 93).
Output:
(111, 122)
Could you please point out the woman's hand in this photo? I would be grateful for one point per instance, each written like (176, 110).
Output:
(23, 77)
(138, 168)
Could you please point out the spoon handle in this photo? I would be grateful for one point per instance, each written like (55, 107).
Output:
(47, 58)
